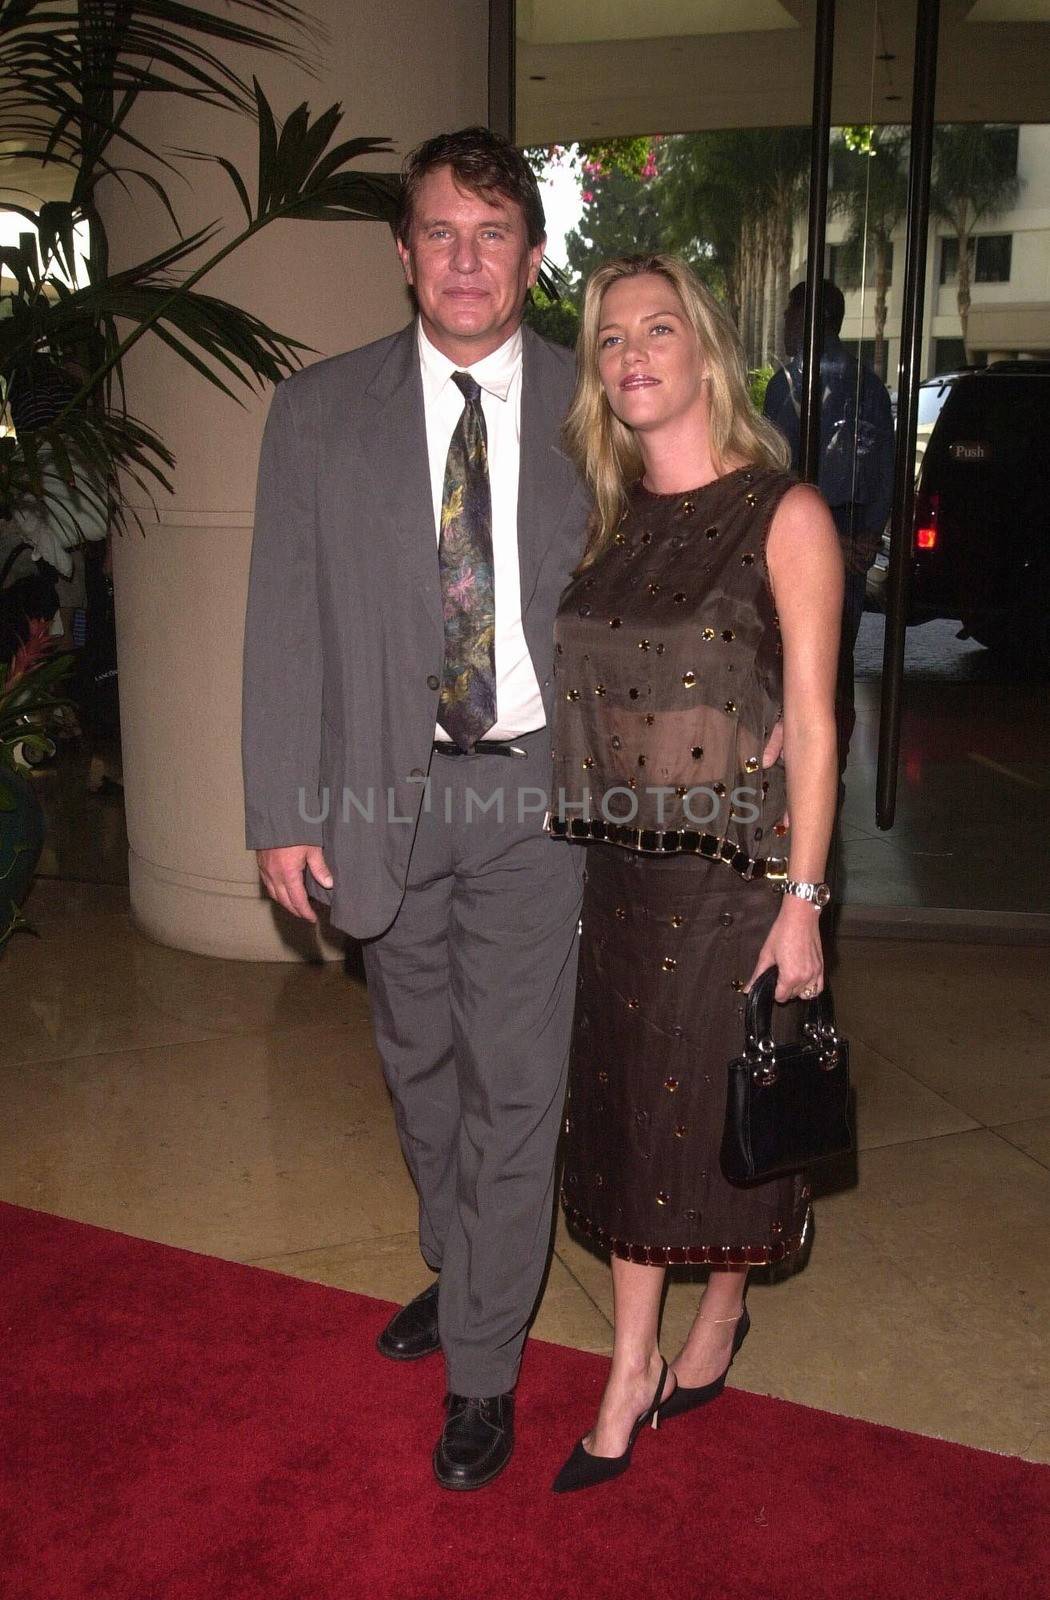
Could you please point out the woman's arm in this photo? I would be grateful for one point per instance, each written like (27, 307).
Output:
(805, 570)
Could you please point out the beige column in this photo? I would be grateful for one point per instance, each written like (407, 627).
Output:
(404, 71)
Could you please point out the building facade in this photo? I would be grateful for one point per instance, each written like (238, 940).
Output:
(1009, 314)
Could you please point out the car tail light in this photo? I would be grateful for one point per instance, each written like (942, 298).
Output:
(927, 510)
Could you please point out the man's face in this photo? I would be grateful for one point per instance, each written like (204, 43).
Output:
(470, 263)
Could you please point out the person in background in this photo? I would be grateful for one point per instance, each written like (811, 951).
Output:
(855, 475)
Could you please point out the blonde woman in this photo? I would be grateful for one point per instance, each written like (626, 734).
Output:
(706, 609)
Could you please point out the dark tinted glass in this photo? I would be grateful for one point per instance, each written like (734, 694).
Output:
(993, 256)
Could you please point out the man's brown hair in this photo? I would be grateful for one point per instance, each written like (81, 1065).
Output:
(482, 163)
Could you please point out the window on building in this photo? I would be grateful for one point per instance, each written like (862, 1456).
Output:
(838, 269)
(991, 256)
(1003, 143)
(949, 259)
(841, 266)
(948, 355)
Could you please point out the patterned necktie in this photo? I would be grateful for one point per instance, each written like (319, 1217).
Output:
(467, 706)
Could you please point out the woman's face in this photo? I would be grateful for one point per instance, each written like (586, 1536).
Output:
(649, 360)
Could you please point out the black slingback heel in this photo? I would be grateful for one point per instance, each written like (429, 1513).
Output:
(685, 1399)
(584, 1471)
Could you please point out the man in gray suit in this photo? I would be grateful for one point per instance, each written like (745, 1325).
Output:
(416, 523)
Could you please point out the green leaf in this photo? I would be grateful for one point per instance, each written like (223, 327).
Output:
(55, 232)
(267, 149)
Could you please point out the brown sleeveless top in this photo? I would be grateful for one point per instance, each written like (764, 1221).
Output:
(668, 666)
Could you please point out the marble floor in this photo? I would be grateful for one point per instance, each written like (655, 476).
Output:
(237, 1109)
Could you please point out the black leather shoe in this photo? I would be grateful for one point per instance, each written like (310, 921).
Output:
(413, 1331)
(477, 1441)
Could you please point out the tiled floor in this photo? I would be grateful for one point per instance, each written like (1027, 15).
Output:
(237, 1109)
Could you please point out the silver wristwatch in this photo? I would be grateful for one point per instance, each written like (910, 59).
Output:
(818, 894)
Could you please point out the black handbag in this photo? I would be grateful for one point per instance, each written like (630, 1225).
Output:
(788, 1104)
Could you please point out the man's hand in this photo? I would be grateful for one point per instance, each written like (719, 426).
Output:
(281, 871)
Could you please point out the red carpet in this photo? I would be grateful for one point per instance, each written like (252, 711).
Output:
(178, 1428)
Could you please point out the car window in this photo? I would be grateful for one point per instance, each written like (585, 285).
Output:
(1004, 409)
(931, 399)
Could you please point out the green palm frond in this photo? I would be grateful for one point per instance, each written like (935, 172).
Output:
(50, 46)
(71, 72)
(553, 280)
(300, 177)
(90, 452)
(208, 333)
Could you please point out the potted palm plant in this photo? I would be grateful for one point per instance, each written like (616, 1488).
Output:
(71, 76)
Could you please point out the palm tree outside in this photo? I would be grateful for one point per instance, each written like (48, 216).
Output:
(869, 190)
(728, 199)
(974, 180)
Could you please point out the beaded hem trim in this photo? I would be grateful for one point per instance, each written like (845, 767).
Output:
(671, 842)
(715, 1255)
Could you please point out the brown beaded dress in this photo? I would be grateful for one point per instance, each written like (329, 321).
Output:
(668, 661)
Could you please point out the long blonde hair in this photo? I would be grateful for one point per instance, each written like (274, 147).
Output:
(605, 449)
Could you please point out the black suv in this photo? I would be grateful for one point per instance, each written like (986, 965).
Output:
(981, 540)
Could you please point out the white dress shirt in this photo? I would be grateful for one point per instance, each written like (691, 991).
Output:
(519, 705)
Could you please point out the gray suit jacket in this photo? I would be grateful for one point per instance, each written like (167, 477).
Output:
(343, 640)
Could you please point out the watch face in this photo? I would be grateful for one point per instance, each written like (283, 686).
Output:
(822, 895)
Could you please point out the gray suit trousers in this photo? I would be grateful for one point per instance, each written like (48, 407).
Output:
(472, 991)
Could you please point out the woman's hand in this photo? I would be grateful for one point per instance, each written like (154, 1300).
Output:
(793, 947)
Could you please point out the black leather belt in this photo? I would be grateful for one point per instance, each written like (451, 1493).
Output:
(484, 747)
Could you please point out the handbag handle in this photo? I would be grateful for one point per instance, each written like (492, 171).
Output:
(818, 1017)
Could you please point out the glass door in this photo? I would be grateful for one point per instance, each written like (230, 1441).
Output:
(660, 125)
(972, 701)
(646, 123)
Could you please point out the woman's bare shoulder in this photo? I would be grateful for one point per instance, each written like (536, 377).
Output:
(803, 538)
